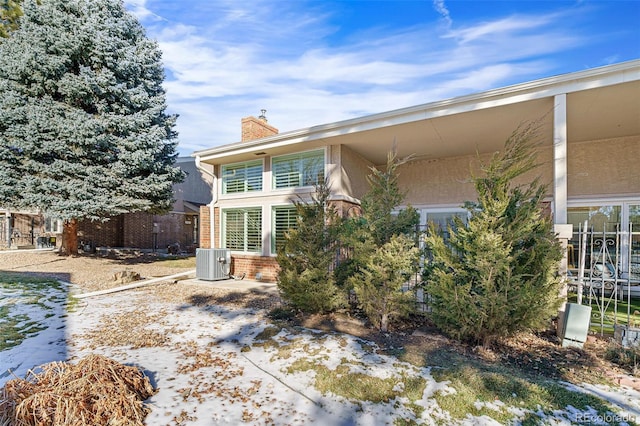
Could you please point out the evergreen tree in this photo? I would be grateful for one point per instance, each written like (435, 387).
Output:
(498, 275)
(384, 254)
(384, 196)
(306, 256)
(83, 128)
(379, 283)
(10, 13)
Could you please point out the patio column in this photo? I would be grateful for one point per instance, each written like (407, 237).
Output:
(561, 228)
(560, 159)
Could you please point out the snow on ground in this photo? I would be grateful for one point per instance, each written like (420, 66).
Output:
(29, 307)
(221, 365)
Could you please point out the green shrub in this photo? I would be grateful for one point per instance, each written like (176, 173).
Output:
(305, 280)
(498, 275)
(378, 285)
(627, 358)
(384, 256)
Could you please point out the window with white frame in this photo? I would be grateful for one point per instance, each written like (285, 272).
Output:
(284, 218)
(600, 217)
(242, 177)
(617, 223)
(634, 228)
(301, 169)
(242, 229)
(442, 220)
(52, 225)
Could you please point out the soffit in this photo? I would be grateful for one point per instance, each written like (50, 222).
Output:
(454, 135)
(603, 113)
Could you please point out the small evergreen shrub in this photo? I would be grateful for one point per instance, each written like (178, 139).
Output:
(627, 358)
(305, 258)
(378, 285)
(384, 254)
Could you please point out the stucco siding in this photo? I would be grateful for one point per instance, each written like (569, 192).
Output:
(437, 181)
(447, 181)
(595, 168)
(604, 167)
(354, 172)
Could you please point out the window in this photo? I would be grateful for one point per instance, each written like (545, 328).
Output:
(284, 218)
(601, 218)
(443, 220)
(634, 252)
(52, 225)
(302, 169)
(242, 229)
(242, 177)
(608, 239)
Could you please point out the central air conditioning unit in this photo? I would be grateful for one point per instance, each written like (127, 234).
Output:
(213, 264)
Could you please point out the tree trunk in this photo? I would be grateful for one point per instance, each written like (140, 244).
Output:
(69, 237)
(384, 322)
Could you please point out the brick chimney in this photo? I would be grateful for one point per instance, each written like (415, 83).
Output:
(256, 128)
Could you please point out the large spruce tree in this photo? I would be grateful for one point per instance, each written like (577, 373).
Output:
(83, 128)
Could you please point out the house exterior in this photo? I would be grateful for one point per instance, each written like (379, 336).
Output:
(178, 229)
(590, 155)
(23, 228)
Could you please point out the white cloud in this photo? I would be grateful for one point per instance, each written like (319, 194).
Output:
(237, 58)
(510, 26)
(441, 8)
(139, 9)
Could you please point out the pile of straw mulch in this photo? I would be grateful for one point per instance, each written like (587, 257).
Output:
(95, 391)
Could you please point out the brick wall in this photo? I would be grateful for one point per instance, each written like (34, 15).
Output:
(107, 233)
(252, 265)
(205, 227)
(256, 128)
(137, 230)
(216, 226)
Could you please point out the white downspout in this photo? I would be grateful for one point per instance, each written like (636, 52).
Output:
(214, 200)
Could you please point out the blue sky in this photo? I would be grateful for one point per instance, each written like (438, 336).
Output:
(316, 62)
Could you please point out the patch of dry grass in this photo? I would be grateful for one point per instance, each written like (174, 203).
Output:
(95, 391)
(134, 329)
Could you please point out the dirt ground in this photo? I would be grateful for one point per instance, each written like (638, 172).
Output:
(537, 356)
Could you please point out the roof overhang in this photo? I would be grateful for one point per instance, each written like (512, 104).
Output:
(191, 207)
(602, 103)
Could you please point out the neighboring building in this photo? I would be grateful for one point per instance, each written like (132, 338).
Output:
(178, 228)
(590, 156)
(25, 229)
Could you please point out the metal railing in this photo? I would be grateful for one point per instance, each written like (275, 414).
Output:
(604, 271)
